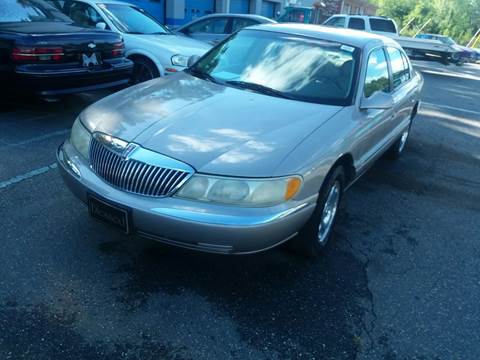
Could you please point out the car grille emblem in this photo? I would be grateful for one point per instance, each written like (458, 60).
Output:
(129, 150)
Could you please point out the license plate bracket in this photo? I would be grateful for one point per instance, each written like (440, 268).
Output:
(109, 213)
(91, 60)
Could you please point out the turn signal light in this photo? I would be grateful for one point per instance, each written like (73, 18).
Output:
(293, 186)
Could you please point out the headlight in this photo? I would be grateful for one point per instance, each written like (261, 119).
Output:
(180, 60)
(238, 191)
(80, 138)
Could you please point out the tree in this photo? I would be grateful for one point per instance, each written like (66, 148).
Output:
(459, 19)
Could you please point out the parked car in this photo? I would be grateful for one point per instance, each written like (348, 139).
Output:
(41, 51)
(252, 146)
(463, 54)
(154, 49)
(477, 52)
(214, 28)
(428, 49)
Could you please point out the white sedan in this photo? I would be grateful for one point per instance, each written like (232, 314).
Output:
(154, 49)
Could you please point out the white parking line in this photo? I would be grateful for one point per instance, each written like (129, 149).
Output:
(35, 139)
(450, 108)
(28, 175)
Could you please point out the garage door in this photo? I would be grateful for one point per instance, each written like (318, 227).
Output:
(240, 6)
(198, 8)
(156, 8)
(269, 8)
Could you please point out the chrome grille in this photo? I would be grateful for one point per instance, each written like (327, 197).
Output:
(132, 175)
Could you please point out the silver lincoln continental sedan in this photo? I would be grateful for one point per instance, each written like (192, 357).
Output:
(253, 145)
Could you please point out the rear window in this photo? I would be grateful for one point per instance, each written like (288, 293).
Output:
(29, 11)
(356, 23)
(383, 25)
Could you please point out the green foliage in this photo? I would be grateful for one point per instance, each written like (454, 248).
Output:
(459, 19)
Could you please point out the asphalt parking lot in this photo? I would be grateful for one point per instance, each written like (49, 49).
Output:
(400, 281)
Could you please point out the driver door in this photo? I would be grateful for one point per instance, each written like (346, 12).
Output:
(374, 125)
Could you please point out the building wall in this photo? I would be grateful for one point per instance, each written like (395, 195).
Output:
(175, 9)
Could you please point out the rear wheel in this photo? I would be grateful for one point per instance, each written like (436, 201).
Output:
(143, 70)
(318, 230)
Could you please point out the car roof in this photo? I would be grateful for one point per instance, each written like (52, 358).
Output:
(115, 2)
(356, 38)
(259, 18)
(363, 16)
(437, 35)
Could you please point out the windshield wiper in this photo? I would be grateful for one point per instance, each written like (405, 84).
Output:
(202, 75)
(258, 88)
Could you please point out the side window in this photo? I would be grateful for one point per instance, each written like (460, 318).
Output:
(383, 25)
(356, 23)
(400, 69)
(209, 26)
(408, 68)
(377, 74)
(337, 21)
(84, 15)
(240, 23)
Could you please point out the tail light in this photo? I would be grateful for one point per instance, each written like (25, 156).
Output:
(118, 49)
(37, 54)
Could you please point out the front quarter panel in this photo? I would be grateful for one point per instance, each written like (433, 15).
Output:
(316, 155)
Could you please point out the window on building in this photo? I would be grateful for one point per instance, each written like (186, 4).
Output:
(377, 78)
(356, 23)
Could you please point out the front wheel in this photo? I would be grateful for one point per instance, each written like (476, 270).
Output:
(143, 70)
(318, 230)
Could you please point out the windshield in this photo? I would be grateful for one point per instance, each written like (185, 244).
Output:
(133, 20)
(447, 40)
(283, 65)
(30, 11)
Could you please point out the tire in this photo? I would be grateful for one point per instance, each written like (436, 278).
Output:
(397, 149)
(312, 239)
(143, 70)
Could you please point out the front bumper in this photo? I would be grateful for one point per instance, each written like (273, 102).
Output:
(191, 224)
(69, 79)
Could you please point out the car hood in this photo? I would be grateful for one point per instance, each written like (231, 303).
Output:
(175, 44)
(215, 129)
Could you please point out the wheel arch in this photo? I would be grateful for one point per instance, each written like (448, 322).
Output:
(140, 54)
(346, 161)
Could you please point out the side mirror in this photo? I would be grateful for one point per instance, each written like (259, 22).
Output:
(101, 25)
(192, 60)
(379, 100)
